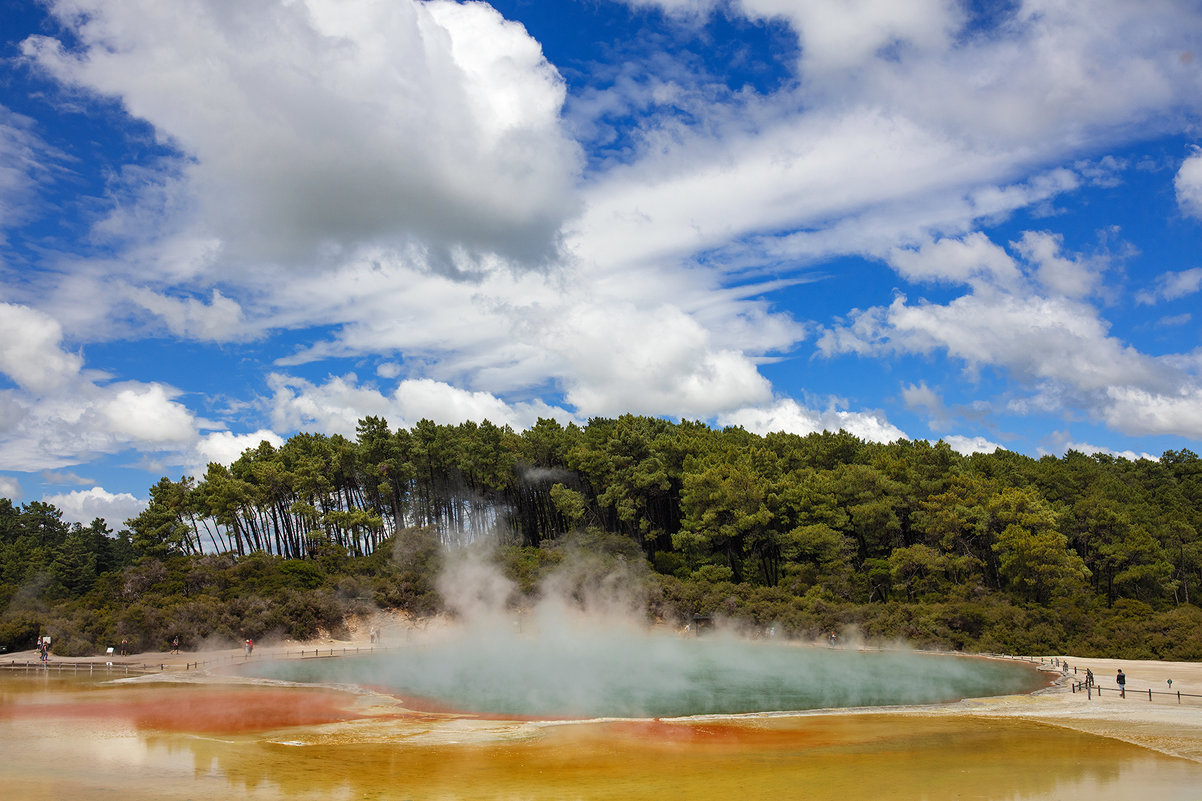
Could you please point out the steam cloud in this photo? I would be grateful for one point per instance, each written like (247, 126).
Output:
(583, 651)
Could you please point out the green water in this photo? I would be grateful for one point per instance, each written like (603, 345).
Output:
(655, 676)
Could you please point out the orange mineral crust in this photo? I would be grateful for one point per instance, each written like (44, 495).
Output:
(200, 709)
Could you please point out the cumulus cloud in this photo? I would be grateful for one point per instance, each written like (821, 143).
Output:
(336, 406)
(84, 506)
(1188, 184)
(412, 156)
(1090, 450)
(31, 351)
(65, 430)
(320, 125)
(787, 415)
(1138, 410)
(966, 446)
(652, 363)
(670, 341)
(144, 413)
(10, 488)
(964, 261)
(224, 447)
(59, 414)
(1036, 338)
(1059, 275)
(1056, 345)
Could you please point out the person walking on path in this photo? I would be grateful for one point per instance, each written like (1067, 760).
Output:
(1121, 680)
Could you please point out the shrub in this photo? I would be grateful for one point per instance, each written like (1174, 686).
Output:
(19, 634)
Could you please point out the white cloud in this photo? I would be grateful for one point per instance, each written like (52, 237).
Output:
(391, 147)
(1175, 320)
(25, 161)
(1072, 278)
(54, 432)
(220, 320)
(1189, 184)
(808, 171)
(1057, 347)
(336, 406)
(787, 415)
(1090, 450)
(65, 477)
(318, 125)
(144, 413)
(668, 341)
(60, 415)
(1172, 286)
(84, 506)
(966, 446)
(31, 351)
(845, 34)
(10, 488)
(388, 370)
(911, 125)
(921, 398)
(225, 447)
(966, 261)
(443, 403)
(649, 363)
(975, 260)
(1035, 338)
(1136, 410)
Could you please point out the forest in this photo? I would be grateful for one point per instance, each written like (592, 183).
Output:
(1086, 554)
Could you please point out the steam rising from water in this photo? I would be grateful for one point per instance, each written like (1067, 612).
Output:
(581, 652)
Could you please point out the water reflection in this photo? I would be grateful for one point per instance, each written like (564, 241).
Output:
(850, 757)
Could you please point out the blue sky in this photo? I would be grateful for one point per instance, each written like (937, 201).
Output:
(228, 222)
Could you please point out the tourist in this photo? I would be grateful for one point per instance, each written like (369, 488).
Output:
(1121, 680)
(175, 645)
(1088, 677)
(124, 645)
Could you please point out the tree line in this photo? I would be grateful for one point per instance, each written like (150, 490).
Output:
(824, 521)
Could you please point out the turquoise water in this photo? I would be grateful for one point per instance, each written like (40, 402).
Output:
(633, 675)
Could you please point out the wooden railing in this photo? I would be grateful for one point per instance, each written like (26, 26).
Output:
(1123, 692)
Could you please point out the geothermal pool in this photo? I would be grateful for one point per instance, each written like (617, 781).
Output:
(637, 675)
(170, 741)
